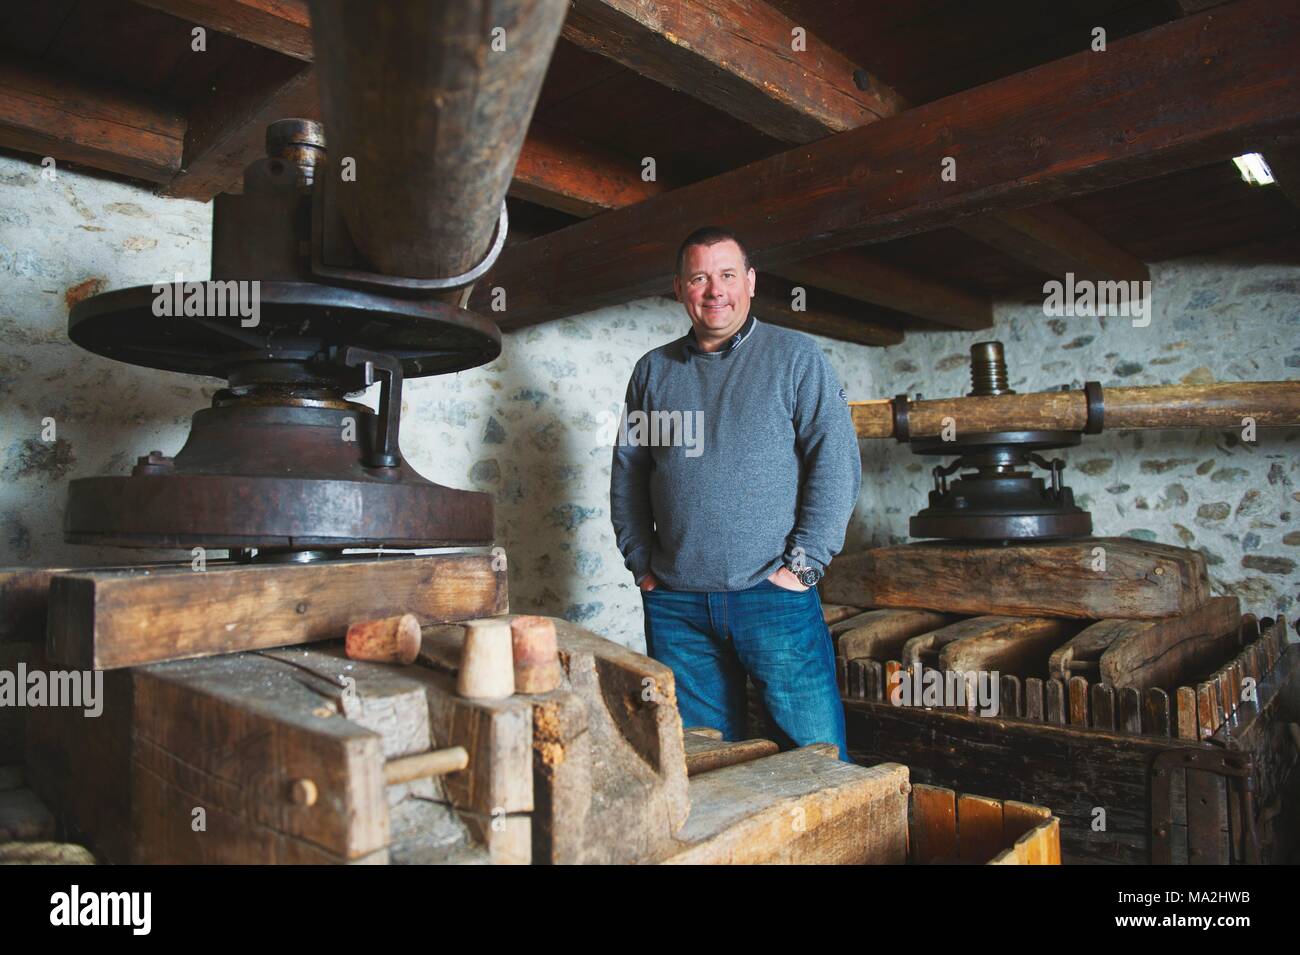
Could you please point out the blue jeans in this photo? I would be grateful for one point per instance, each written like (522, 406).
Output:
(776, 636)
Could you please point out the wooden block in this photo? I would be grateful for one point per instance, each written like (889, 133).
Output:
(23, 599)
(1018, 645)
(536, 661)
(1205, 716)
(1140, 579)
(880, 634)
(979, 828)
(796, 807)
(108, 619)
(562, 778)
(232, 735)
(842, 676)
(705, 755)
(834, 613)
(1167, 653)
(925, 648)
(933, 832)
(486, 669)
(389, 640)
(875, 680)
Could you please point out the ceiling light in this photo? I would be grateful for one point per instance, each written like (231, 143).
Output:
(1253, 169)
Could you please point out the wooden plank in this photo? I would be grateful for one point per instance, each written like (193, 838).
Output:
(1033, 708)
(979, 828)
(880, 634)
(1192, 108)
(1103, 707)
(824, 313)
(280, 25)
(55, 114)
(704, 755)
(1171, 651)
(23, 598)
(108, 619)
(857, 678)
(1054, 701)
(1188, 713)
(1140, 579)
(875, 680)
(1077, 688)
(1019, 818)
(933, 832)
(1156, 710)
(842, 676)
(794, 808)
(1009, 696)
(1129, 701)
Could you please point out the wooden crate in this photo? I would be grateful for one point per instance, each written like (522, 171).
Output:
(1136, 773)
(948, 827)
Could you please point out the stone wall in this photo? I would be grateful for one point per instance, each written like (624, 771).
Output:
(528, 427)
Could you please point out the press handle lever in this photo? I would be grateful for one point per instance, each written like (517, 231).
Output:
(377, 366)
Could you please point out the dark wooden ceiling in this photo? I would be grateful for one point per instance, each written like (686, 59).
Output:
(603, 115)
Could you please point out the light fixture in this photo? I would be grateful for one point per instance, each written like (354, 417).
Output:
(1253, 169)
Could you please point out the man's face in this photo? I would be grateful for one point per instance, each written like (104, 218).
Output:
(716, 289)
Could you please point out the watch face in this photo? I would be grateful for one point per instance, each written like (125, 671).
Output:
(809, 577)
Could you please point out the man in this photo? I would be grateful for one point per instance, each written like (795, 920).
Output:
(728, 531)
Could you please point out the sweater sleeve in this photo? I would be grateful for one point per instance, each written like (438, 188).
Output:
(629, 487)
(830, 465)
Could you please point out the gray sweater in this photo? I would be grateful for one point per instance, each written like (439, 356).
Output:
(730, 463)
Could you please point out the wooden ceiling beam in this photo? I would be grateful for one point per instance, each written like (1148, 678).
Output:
(77, 121)
(1186, 93)
(280, 25)
(737, 56)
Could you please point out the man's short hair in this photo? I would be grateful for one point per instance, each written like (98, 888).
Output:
(709, 235)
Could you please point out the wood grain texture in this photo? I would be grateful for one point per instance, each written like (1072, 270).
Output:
(881, 634)
(704, 755)
(108, 619)
(1140, 580)
(58, 115)
(844, 190)
(796, 807)
(280, 25)
(1169, 652)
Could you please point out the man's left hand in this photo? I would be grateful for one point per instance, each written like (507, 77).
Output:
(786, 580)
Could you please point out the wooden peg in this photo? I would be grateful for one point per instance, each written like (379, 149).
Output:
(390, 640)
(487, 670)
(536, 662)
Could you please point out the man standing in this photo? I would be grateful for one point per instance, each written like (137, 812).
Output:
(727, 534)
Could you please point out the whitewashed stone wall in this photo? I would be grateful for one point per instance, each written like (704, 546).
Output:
(527, 427)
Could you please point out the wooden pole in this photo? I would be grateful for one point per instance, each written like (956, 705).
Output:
(1270, 404)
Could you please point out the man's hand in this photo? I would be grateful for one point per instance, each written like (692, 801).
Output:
(786, 580)
(648, 582)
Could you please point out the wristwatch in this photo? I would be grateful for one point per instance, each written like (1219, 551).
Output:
(808, 577)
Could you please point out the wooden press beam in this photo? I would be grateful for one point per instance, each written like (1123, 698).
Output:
(1190, 107)
(116, 618)
(737, 56)
(74, 121)
(1058, 579)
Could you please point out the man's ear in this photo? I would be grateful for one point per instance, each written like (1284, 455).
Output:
(752, 277)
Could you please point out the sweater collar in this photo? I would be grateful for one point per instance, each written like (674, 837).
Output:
(692, 344)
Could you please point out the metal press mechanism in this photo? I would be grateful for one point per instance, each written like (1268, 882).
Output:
(997, 496)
